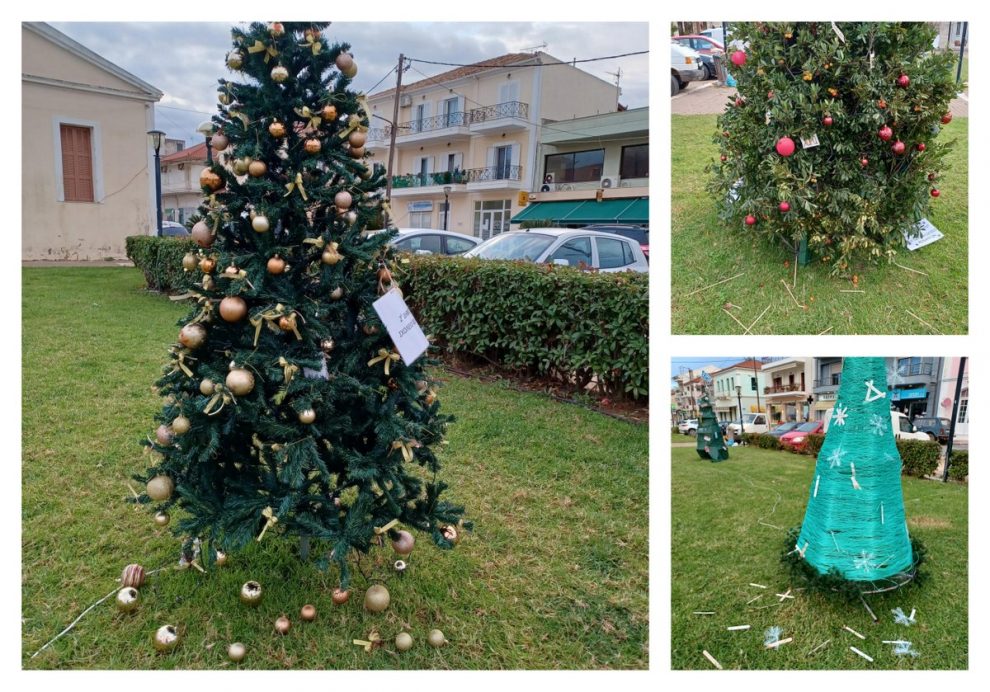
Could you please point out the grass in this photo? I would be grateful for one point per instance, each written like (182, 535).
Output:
(729, 522)
(554, 576)
(704, 251)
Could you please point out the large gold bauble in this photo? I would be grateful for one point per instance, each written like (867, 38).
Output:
(160, 488)
(162, 519)
(257, 169)
(240, 381)
(357, 138)
(337, 293)
(192, 335)
(403, 543)
(276, 130)
(133, 575)
(221, 558)
(340, 596)
(128, 599)
(329, 113)
(330, 255)
(344, 61)
(207, 265)
(210, 180)
(312, 146)
(251, 593)
(282, 625)
(307, 416)
(351, 72)
(279, 74)
(403, 641)
(236, 652)
(343, 200)
(235, 59)
(219, 142)
(376, 598)
(276, 265)
(166, 639)
(190, 262)
(260, 223)
(207, 387)
(180, 425)
(436, 639)
(233, 309)
(201, 234)
(356, 152)
(287, 323)
(163, 435)
(241, 166)
(308, 613)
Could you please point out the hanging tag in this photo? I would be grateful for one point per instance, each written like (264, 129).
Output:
(768, 118)
(408, 337)
(838, 33)
(810, 142)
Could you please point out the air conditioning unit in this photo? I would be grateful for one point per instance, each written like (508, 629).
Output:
(405, 100)
(547, 183)
(609, 182)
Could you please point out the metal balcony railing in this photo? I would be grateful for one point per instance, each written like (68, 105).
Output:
(379, 134)
(481, 175)
(914, 369)
(436, 122)
(832, 381)
(509, 109)
(782, 388)
(429, 179)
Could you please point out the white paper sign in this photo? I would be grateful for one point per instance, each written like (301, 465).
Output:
(409, 339)
(926, 235)
(810, 142)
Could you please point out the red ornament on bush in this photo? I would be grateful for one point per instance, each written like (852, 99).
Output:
(739, 102)
(784, 207)
(885, 133)
(725, 133)
(935, 192)
(827, 121)
(864, 162)
(947, 118)
(897, 147)
(750, 219)
(769, 94)
(738, 58)
(785, 146)
(920, 146)
(724, 158)
(931, 176)
(903, 81)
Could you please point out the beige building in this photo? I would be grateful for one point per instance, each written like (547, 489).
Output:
(86, 163)
(749, 377)
(470, 137)
(181, 192)
(788, 392)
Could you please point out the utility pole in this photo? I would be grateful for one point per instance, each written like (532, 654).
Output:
(955, 413)
(395, 127)
(756, 375)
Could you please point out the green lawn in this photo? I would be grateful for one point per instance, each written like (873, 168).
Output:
(704, 251)
(729, 522)
(554, 576)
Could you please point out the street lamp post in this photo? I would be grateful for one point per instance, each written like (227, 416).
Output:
(446, 205)
(156, 141)
(207, 129)
(742, 430)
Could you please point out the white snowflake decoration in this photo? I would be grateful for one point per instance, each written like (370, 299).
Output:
(835, 458)
(877, 424)
(904, 649)
(865, 562)
(901, 619)
(839, 415)
(872, 393)
(772, 635)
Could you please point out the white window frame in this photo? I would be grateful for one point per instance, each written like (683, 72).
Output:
(96, 155)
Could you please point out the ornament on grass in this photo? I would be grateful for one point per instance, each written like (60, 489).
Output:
(312, 146)
(133, 576)
(190, 262)
(276, 130)
(897, 147)
(784, 207)
(827, 121)
(235, 59)
(180, 425)
(207, 387)
(163, 435)
(308, 613)
(920, 146)
(450, 533)
(279, 74)
(282, 625)
(219, 142)
(162, 519)
(376, 599)
(251, 593)
(256, 169)
(210, 180)
(165, 639)
(403, 543)
(340, 596)
(403, 641)
(400, 566)
(276, 265)
(307, 416)
(260, 223)
(192, 335)
(329, 113)
(436, 639)
(947, 118)
(903, 81)
(738, 58)
(932, 176)
(128, 599)
(236, 652)
(160, 488)
(221, 559)
(240, 381)
(750, 220)
(885, 133)
(201, 234)
(935, 192)
(785, 146)
(233, 309)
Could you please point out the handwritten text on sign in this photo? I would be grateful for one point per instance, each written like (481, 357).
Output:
(406, 334)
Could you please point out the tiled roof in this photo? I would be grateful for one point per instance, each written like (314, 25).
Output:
(745, 365)
(194, 153)
(467, 71)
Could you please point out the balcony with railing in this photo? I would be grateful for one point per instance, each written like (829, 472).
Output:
(446, 126)
(783, 389)
(510, 115)
(494, 177)
(429, 183)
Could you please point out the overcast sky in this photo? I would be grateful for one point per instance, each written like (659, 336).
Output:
(185, 60)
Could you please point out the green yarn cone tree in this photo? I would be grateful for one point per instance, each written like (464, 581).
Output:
(710, 443)
(854, 526)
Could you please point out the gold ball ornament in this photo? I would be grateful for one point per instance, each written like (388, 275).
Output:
(260, 223)
(344, 61)
(251, 593)
(356, 152)
(192, 335)
(128, 599)
(376, 598)
(219, 142)
(210, 180)
(422, 386)
(351, 72)
(181, 425)
(329, 113)
(312, 146)
(327, 345)
(436, 639)
(308, 613)
(240, 381)
(403, 543)
(403, 641)
(276, 130)
(233, 309)
(207, 387)
(241, 166)
(163, 435)
(343, 199)
(190, 262)
(277, 28)
(430, 397)
(166, 639)
(307, 417)
(340, 596)
(287, 323)
(236, 652)
(221, 558)
(279, 74)
(282, 625)
(330, 255)
(357, 138)
(276, 265)
(160, 488)
(351, 217)
(162, 518)
(451, 534)
(257, 169)
(207, 265)
(337, 293)
(235, 59)
(201, 234)
(132, 576)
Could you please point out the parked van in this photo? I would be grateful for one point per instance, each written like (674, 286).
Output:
(899, 423)
(685, 66)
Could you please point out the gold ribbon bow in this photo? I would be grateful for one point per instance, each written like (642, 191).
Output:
(237, 114)
(379, 530)
(292, 185)
(353, 123)
(269, 316)
(375, 640)
(269, 514)
(384, 355)
(205, 310)
(318, 242)
(180, 360)
(270, 51)
(314, 119)
(312, 40)
(407, 447)
(221, 395)
(288, 369)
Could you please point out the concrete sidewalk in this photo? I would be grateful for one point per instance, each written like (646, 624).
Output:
(27, 264)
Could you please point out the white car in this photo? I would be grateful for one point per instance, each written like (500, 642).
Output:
(751, 423)
(432, 241)
(688, 427)
(899, 423)
(685, 66)
(569, 247)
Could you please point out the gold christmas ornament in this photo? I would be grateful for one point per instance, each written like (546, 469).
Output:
(210, 180)
(403, 641)
(357, 138)
(233, 309)
(241, 166)
(312, 146)
(192, 335)
(356, 152)
(340, 596)
(436, 639)
(329, 113)
(221, 558)
(180, 425)
(190, 262)
(308, 613)
(277, 28)
(279, 74)
(160, 488)
(343, 199)
(276, 265)
(219, 142)
(450, 533)
(344, 61)
(403, 543)
(207, 265)
(422, 386)
(376, 599)
(162, 518)
(307, 416)
(201, 234)
(235, 59)
(133, 576)
(351, 217)
(257, 169)
(166, 639)
(232, 270)
(282, 625)
(240, 381)
(430, 397)
(260, 223)
(287, 323)
(128, 599)
(236, 652)
(251, 593)
(163, 435)
(327, 345)
(351, 72)
(276, 130)
(206, 387)
(337, 293)
(223, 97)
(330, 255)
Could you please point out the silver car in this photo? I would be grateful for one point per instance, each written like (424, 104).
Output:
(432, 241)
(571, 247)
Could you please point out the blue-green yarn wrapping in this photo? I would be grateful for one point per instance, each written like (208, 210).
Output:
(710, 443)
(862, 533)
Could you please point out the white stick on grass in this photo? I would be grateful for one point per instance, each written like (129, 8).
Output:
(712, 660)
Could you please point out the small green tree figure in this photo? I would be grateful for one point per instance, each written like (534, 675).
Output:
(832, 139)
(710, 443)
(287, 409)
(854, 527)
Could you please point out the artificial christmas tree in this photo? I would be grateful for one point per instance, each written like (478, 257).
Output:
(287, 409)
(843, 90)
(854, 530)
(710, 443)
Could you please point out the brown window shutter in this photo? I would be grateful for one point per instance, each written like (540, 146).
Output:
(77, 163)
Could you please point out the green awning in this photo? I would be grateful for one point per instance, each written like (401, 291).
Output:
(629, 211)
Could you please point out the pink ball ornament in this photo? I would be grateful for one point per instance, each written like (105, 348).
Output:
(885, 133)
(738, 58)
(750, 220)
(903, 81)
(785, 146)
(897, 147)
(784, 207)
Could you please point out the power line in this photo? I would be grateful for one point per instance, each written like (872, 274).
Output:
(184, 110)
(529, 64)
(381, 80)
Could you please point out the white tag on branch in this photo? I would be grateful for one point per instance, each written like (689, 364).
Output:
(321, 374)
(809, 142)
(838, 32)
(408, 337)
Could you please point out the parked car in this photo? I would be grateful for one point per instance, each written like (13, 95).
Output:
(706, 48)
(688, 427)
(751, 423)
(171, 229)
(797, 439)
(570, 247)
(638, 233)
(685, 67)
(783, 428)
(431, 241)
(937, 429)
(902, 427)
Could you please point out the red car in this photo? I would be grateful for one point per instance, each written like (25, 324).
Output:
(705, 46)
(798, 438)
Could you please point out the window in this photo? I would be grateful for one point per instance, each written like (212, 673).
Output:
(904, 424)
(491, 217)
(573, 253)
(576, 167)
(420, 243)
(421, 219)
(456, 246)
(613, 253)
(503, 162)
(963, 411)
(635, 161)
(77, 163)
(752, 384)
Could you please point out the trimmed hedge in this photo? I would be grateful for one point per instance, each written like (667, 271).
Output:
(920, 457)
(959, 465)
(813, 444)
(762, 440)
(542, 320)
(160, 259)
